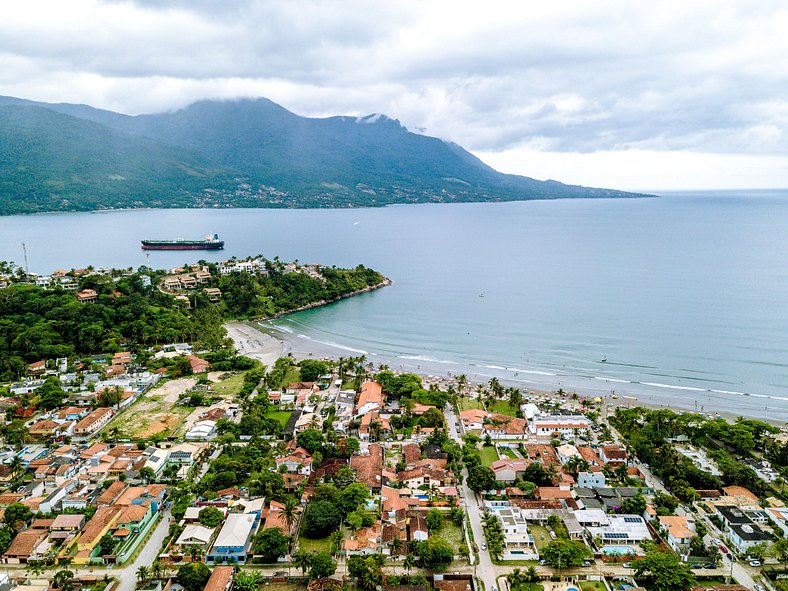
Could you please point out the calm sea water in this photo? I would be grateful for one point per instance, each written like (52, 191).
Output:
(685, 296)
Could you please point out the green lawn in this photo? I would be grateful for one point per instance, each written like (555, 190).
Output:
(316, 545)
(230, 387)
(502, 407)
(451, 533)
(541, 535)
(489, 455)
(280, 415)
(509, 453)
(592, 586)
(469, 403)
(292, 375)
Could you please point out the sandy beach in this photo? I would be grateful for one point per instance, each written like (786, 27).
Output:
(266, 343)
(255, 344)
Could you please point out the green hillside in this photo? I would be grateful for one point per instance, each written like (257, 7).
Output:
(244, 153)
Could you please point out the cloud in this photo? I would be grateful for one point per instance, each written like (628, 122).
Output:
(573, 77)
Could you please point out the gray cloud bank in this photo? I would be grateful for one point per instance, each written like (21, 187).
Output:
(574, 76)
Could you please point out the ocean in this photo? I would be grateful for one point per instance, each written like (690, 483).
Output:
(678, 300)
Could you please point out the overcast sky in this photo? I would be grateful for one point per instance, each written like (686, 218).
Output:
(625, 94)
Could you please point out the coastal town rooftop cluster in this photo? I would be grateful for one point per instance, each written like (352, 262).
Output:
(461, 469)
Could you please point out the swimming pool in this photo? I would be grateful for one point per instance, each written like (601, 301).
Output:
(618, 550)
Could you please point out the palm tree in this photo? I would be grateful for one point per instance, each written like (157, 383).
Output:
(143, 574)
(515, 398)
(194, 552)
(290, 512)
(530, 576)
(303, 560)
(410, 562)
(16, 465)
(336, 541)
(396, 546)
(157, 570)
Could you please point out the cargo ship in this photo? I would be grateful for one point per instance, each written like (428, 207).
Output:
(211, 242)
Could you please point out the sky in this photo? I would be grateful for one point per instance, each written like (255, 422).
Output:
(631, 95)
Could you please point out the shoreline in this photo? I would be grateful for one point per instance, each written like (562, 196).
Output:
(320, 303)
(270, 337)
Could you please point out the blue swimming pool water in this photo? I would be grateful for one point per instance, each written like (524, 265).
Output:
(618, 550)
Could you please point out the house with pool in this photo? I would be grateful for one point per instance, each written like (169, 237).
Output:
(518, 541)
(619, 534)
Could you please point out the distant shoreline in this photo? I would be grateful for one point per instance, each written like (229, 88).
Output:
(272, 338)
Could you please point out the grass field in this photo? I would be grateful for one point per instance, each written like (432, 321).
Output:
(509, 453)
(489, 455)
(469, 403)
(540, 534)
(592, 586)
(155, 412)
(502, 407)
(280, 415)
(316, 545)
(230, 387)
(451, 532)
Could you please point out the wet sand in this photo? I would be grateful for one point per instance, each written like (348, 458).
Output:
(266, 342)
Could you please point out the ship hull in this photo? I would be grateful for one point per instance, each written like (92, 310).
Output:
(183, 246)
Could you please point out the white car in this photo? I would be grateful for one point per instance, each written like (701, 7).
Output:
(484, 545)
(755, 563)
(715, 541)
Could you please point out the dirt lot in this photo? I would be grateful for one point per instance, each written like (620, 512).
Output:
(155, 412)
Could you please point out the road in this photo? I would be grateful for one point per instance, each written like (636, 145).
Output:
(486, 571)
(127, 574)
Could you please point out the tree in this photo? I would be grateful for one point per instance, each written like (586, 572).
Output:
(16, 465)
(634, 505)
(367, 570)
(210, 516)
(311, 369)
(481, 478)
(759, 551)
(351, 497)
(664, 571)
(779, 550)
(561, 553)
(435, 552)
(310, 439)
(434, 520)
(537, 474)
(664, 504)
(51, 394)
(247, 581)
(409, 562)
(147, 474)
(16, 516)
(320, 519)
(64, 580)
(143, 574)
(193, 576)
(322, 565)
(343, 477)
(303, 560)
(271, 544)
(290, 512)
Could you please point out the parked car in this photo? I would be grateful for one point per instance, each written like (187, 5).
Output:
(586, 563)
(715, 541)
(542, 562)
(710, 565)
(723, 549)
(755, 562)
(758, 587)
(484, 545)
(627, 565)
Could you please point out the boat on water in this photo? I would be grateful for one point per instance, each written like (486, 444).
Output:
(210, 242)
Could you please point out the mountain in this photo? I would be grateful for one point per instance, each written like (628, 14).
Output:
(247, 153)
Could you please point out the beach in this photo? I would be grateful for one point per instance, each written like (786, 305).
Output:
(266, 342)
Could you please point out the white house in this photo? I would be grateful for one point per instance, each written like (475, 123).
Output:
(518, 542)
(563, 425)
(591, 480)
(202, 430)
(566, 451)
(680, 530)
(620, 529)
